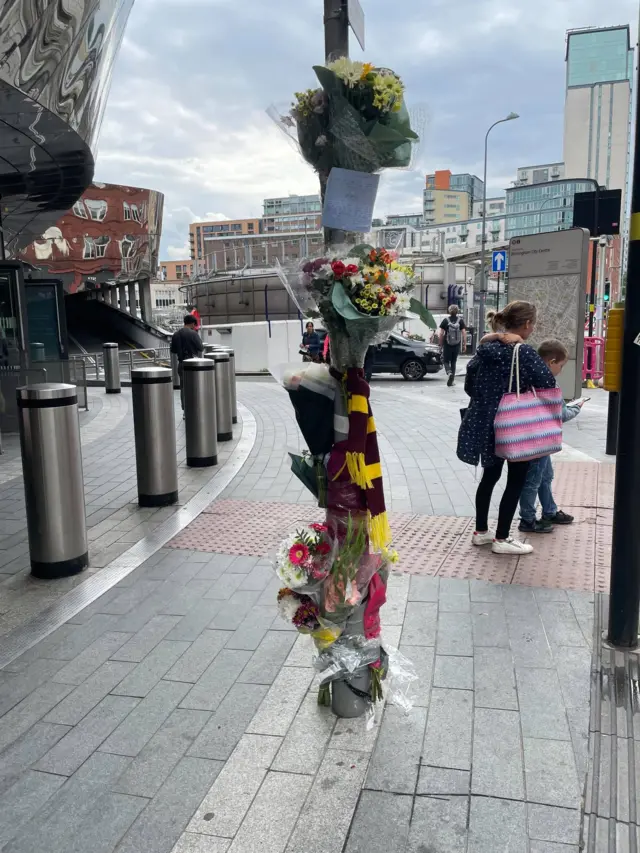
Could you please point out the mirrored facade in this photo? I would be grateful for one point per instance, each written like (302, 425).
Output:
(56, 63)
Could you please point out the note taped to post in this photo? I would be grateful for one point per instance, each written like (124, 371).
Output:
(349, 200)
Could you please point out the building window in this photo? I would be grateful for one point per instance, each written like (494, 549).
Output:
(97, 209)
(131, 212)
(79, 209)
(127, 246)
(95, 247)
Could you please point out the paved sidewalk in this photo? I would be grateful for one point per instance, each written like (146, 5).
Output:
(115, 522)
(177, 714)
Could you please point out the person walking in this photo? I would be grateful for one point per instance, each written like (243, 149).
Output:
(487, 380)
(311, 344)
(452, 340)
(186, 343)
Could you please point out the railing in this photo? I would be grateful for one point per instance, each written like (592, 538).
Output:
(93, 362)
(78, 377)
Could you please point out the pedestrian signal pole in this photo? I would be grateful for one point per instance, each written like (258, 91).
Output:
(624, 602)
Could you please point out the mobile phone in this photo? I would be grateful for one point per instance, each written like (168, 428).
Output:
(580, 401)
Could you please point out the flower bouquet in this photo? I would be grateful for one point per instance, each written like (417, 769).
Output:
(304, 558)
(360, 296)
(357, 120)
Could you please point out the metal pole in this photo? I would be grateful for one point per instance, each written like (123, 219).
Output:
(600, 290)
(483, 252)
(594, 267)
(612, 424)
(336, 29)
(483, 249)
(624, 600)
(498, 293)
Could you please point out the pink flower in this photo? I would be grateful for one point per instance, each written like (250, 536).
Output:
(323, 548)
(319, 528)
(298, 554)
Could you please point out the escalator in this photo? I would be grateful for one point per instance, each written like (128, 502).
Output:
(91, 323)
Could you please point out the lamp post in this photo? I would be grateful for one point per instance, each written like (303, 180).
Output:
(546, 201)
(483, 277)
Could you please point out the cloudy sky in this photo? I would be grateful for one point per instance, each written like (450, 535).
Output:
(187, 111)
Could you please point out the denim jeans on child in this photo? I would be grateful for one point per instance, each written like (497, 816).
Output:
(538, 485)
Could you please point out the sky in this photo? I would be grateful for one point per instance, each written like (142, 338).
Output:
(187, 112)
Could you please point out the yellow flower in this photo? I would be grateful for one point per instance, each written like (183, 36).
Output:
(367, 68)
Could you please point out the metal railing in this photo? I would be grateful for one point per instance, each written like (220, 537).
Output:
(93, 362)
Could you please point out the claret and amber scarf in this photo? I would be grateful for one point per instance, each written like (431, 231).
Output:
(361, 454)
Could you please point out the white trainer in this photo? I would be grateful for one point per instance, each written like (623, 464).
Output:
(511, 546)
(482, 538)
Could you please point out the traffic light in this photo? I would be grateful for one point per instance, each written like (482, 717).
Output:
(607, 291)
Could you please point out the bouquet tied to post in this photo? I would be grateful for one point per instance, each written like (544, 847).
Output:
(357, 119)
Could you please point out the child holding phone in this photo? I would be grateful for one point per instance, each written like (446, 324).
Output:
(540, 475)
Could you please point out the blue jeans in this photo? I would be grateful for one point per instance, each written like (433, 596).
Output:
(538, 485)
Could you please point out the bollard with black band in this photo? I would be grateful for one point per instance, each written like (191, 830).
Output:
(53, 481)
(111, 361)
(155, 436)
(200, 412)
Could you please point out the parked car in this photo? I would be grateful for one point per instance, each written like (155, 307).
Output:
(413, 359)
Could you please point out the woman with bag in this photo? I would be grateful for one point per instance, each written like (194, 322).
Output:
(499, 369)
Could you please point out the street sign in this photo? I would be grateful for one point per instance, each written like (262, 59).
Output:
(356, 20)
(499, 261)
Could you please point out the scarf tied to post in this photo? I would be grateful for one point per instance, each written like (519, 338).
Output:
(361, 455)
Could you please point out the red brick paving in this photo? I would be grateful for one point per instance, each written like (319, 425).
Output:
(574, 557)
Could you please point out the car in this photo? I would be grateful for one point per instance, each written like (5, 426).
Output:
(413, 359)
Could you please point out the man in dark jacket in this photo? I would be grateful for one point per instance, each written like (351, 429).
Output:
(186, 343)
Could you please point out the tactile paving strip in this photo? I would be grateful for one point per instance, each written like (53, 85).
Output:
(606, 485)
(427, 545)
(576, 483)
(564, 559)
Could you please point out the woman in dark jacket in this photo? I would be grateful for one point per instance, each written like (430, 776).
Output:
(311, 342)
(487, 380)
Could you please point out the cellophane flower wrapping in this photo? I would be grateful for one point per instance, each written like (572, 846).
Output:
(359, 292)
(357, 119)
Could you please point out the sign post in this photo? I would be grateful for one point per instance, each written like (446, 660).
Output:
(499, 262)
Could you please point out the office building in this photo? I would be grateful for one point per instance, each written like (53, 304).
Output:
(415, 220)
(495, 207)
(291, 214)
(598, 105)
(111, 234)
(450, 198)
(548, 172)
(175, 270)
(257, 251)
(542, 207)
(198, 231)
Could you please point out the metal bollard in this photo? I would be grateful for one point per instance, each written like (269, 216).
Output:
(234, 401)
(200, 412)
(175, 373)
(53, 482)
(155, 436)
(232, 358)
(224, 415)
(37, 351)
(111, 360)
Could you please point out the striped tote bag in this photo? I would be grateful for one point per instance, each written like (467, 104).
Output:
(527, 425)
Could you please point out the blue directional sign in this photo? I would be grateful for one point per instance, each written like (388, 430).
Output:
(499, 261)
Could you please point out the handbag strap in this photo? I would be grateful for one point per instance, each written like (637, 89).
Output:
(515, 369)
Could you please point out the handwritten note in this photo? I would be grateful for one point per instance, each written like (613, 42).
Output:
(349, 200)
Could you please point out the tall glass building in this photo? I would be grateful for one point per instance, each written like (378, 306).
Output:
(598, 105)
(542, 207)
